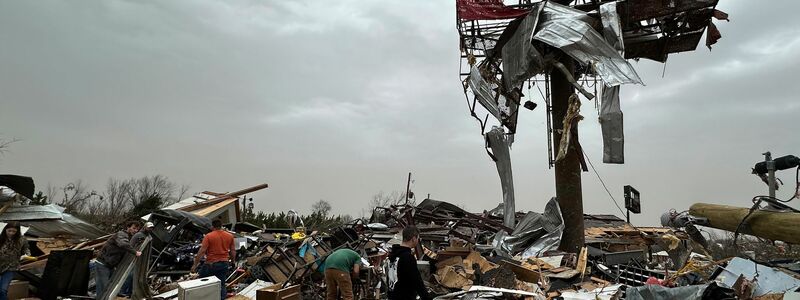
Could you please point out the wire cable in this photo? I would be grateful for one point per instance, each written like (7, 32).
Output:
(603, 183)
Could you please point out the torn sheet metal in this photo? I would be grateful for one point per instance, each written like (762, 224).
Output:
(766, 280)
(604, 293)
(141, 289)
(68, 226)
(501, 150)
(610, 113)
(484, 92)
(521, 60)
(568, 29)
(250, 290)
(46, 221)
(485, 292)
(691, 292)
(535, 233)
(32, 212)
(570, 120)
(611, 126)
(612, 27)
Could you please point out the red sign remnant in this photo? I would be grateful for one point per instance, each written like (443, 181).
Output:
(469, 10)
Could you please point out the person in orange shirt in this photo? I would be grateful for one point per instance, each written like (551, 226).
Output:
(219, 250)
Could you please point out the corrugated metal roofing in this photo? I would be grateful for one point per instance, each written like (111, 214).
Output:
(32, 212)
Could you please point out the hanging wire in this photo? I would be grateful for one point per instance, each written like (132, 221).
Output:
(603, 183)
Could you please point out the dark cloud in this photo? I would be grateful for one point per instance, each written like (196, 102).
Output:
(340, 100)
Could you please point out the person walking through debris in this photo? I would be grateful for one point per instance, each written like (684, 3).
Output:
(219, 250)
(136, 241)
(407, 282)
(12, 246)
(338, 266)
(111, 255)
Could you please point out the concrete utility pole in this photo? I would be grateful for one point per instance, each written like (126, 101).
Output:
(568, 170)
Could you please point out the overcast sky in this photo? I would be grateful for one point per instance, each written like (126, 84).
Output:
(339, 100)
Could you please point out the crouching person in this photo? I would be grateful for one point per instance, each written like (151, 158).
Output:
(338, 268)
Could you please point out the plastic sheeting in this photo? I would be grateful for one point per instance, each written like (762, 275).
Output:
(501, 150)
(534, 234)
(568, 29)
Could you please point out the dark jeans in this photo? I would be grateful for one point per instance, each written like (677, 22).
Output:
(101, 278)
(127, 287)
(5, 280)
(218, 269)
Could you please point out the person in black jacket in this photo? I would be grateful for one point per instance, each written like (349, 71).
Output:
(112, 253)
(409, 282)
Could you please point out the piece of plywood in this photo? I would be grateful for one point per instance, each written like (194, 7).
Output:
(523, 273)
(582, 258)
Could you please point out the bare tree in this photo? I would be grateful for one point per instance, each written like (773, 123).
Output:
(383, 199)
(5, 143)
(182, 192)
(76, 195)
(321, 207)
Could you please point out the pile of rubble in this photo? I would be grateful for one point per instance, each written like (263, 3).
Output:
(462, 255)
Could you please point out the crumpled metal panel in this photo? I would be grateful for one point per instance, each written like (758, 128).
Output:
(659, 292)
(501, 149)
(32, 212)
(534, 234)
(769, 280)
(612, 27)
(611, 126)
(611, 118)
(69, 226)
(568, 29)
(484, 92)
(521, 60)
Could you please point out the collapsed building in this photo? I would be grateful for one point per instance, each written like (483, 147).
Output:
(500, 253)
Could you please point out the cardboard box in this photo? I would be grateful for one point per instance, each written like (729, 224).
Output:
(18, 289)
(276, 293)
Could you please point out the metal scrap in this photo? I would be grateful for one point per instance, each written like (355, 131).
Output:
(500, 144)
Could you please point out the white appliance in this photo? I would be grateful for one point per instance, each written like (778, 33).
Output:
(200, 289)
